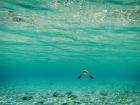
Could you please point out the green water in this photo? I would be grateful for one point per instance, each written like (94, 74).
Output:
(45, 44)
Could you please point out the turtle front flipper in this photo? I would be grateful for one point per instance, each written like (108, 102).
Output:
(79, 76)
(91, 76)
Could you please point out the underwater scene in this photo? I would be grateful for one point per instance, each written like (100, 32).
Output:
(69, 52)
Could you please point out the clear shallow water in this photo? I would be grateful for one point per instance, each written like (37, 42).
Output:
(48, 42)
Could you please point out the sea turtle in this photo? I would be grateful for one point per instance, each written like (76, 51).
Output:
(85, 72)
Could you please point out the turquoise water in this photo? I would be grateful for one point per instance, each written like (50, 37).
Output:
(45, 44)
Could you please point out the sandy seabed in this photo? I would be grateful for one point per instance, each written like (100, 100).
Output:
(118, 94)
